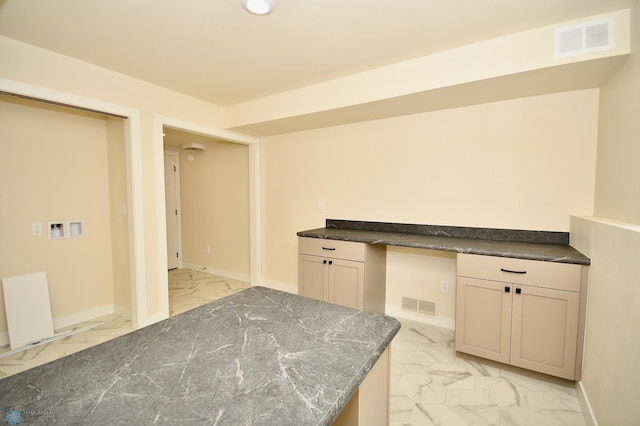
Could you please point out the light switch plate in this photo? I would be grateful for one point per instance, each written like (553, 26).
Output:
(36, 229)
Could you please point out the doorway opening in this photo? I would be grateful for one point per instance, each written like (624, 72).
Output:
(216, 201)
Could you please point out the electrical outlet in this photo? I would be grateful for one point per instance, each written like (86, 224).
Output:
(444, 286)
(320, 204)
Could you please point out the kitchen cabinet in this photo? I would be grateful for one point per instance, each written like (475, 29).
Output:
(342, 272)
(525, 313)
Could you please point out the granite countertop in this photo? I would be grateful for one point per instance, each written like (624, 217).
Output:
(532, 245)
(257, 357)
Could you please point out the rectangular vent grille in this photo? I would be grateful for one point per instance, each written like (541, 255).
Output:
(426, 307)
(584, 38)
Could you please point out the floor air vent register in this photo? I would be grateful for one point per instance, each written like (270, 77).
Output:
(426, 307)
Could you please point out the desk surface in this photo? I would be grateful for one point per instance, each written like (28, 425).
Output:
(549, 252)
(257, 357)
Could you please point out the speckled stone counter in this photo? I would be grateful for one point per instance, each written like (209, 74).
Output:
(533, 245)
(257, 357)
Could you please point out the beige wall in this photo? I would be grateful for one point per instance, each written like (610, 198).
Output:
(525, 164)
(610, 374)
(612, 240)
(214, 196)
(119, 219)
(618, 175)
(54, 167)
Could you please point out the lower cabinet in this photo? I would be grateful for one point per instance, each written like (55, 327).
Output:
(342, 272)
(525, 313)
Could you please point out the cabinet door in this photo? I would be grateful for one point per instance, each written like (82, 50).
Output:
(545, 330)
(312, 277)
(346, 283)
(483, 318)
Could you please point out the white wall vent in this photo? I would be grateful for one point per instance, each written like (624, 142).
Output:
(426, 307)
(585, 37)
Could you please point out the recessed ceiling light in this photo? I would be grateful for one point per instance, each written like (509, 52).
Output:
(258, 7)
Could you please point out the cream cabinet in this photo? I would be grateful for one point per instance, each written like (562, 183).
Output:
(342, 272)
(522, 312)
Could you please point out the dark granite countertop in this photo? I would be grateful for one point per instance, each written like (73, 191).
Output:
(257, 357)
(532, 245)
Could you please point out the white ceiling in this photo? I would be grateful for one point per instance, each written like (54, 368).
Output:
(214, 50)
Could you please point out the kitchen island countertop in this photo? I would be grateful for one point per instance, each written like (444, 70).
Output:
(257, 357)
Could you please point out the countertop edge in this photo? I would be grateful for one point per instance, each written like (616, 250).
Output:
(366, 367)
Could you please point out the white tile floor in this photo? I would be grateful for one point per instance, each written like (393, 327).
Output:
(430, 384)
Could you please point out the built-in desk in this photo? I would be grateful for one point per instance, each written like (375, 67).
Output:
(520, 244)
(520, 295)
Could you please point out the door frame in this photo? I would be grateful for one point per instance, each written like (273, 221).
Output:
(133, 154)
(176, 154)
(255, 222)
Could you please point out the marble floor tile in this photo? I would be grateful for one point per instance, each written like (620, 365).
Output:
(189, 289)
(430, 384)
(104, 328)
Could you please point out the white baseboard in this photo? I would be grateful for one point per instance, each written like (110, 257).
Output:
(396, 312)
(216, 271)
(78, 317)
(587, 410)
(289, 288)
(122, 311)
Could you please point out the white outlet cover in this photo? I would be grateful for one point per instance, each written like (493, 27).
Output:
(36, 229)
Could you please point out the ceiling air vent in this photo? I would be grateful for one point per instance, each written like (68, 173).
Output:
(584, 38)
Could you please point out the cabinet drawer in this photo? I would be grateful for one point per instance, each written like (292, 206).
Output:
(347, 250)
(561, 276)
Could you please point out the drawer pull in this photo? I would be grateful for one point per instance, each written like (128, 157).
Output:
(513, 272)
(328, 248)
(518, 290)
(507, 289)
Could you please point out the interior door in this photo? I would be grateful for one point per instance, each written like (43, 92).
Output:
(172, 213)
